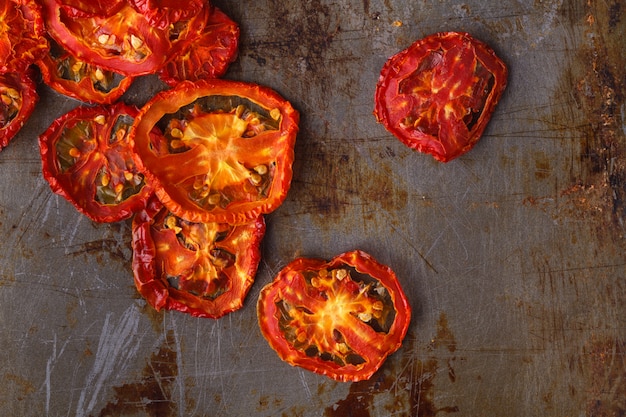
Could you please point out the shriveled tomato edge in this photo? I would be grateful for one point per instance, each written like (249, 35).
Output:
(76, 12)
(33, 16)
(82, 90)
(28, 88)
(169, 74)
(187, 92)
(162, 49)
(162, 17)
(93, 210)
(395, 70)
(267, 312)
(161, 296)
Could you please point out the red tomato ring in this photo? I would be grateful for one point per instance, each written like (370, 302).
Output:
(437, 96)
(340, 318)
(208, 56)
(123, 42)
(74, 78)
(87, 159)
(22, 39)
(217, 150)
(201, 269)
(18, 97)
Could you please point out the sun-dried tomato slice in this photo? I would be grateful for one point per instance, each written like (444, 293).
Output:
(22, 31)
(217, 150)
(123, 42)
(437, 96)
(340, 318)
(202, 269)
(18, 97)
(86, 158)
(81, 80)
(209, 56)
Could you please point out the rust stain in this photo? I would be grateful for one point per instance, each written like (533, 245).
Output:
(304, 36)
(152, 394)
(599, 92)
(23, 387)
(409, 389)
(605, 362)
(98, 248)
(156, 317)
(338, 181)
(593, 87)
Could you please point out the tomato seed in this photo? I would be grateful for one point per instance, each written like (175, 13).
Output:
(340, 274)
(176, 133)
(103, 38)
(105, 179)
(275, 114)
(261, 169)
(136, 42)
(214, 199)
(255, 178)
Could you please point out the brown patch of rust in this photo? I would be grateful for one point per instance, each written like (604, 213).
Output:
(152, 394)
(306, 34)
(599, 92)
(265, 402)
(595, 79)
(605, 361)
(23, 387)
(410, 390)
(98, 248)
(156, 317)
(342, 182)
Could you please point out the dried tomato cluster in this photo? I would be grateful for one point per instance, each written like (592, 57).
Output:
(200, 164)
(22, 43)
(196, 167)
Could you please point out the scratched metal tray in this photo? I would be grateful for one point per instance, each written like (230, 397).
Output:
(513, 256)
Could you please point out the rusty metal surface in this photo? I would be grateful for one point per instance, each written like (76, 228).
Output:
(513, 256)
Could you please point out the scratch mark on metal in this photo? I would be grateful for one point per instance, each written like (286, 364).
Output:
(117, 346)
(419, 253)
(179, 365)
(305, 385)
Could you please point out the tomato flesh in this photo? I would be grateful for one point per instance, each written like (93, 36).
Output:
(22, 39)
(124, 42)
(340, 318)
(208, 56)
(162, 13)
(18, 97)
(81, 80)
(438, 95)
(203, 269)
(86, 158)
(217, 150)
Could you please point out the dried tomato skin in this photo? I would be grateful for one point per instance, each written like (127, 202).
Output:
(438, 95)
(209, 55)
(86, 156)
(223, 163)
(294, 286)
(91, 8)
(24, 84)
(23, 42)
(152, 278)
(162, 13)
(82, 86)
(124, 42)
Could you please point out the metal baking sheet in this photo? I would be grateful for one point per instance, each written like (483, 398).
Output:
(513, 256)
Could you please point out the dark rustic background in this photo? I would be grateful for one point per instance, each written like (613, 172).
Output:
(513, 256)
